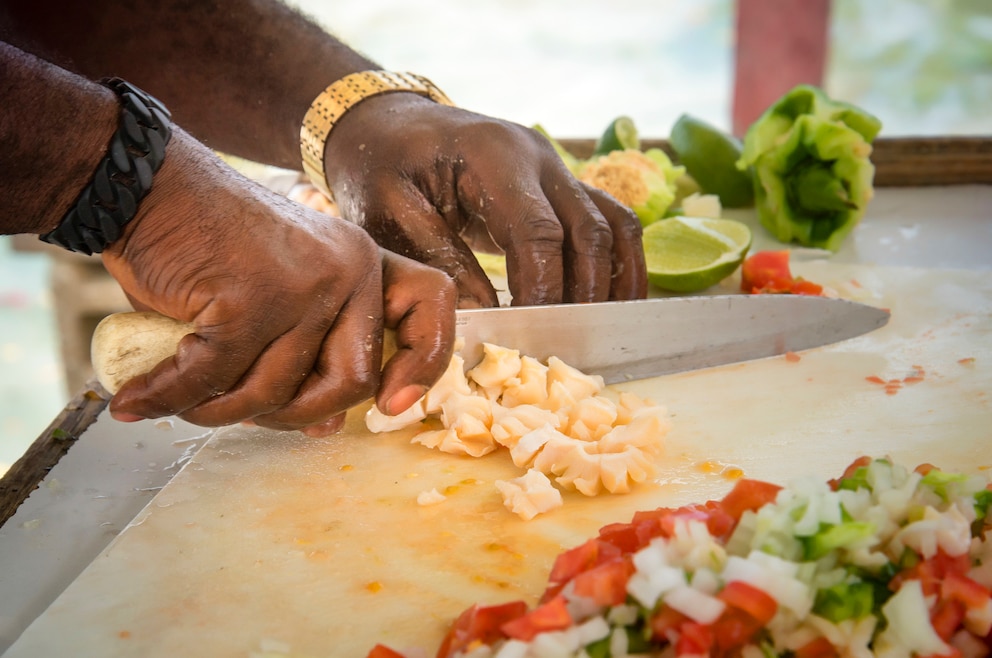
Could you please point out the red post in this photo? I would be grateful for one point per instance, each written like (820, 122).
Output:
(780, 43)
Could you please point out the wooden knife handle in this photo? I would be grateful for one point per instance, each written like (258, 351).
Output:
(125, 345)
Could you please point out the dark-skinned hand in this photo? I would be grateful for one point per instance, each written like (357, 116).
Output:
(424, 179)
(288, 305)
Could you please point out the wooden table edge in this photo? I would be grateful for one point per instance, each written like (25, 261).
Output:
(27, 473)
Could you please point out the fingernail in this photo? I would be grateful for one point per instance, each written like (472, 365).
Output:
(125, 417)
(325, 429)
(404, 398)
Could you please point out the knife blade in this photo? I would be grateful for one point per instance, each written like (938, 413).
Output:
(620, 341)
(623, 341)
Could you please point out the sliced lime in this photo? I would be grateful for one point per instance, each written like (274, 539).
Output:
(689, 254)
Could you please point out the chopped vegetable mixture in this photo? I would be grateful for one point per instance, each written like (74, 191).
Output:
(881, 562)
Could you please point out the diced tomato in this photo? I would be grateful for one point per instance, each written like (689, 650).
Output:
(652, 523)
(550, 616)
(957, 587)
(748, 610)
(694, 640)
(479, 624)
(665, 623)
(606, 584)
(755, 602)
(581, 558)
(628, 537)
(946, 618)
(748, 495)
(734, 629)
(932, 572)
(768, 272)
(382, 651)
(818, 648)
(720, 522)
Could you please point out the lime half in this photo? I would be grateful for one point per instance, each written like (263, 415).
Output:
(688, 254)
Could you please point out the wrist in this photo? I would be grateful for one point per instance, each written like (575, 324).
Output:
(122, 178)
(338, 99)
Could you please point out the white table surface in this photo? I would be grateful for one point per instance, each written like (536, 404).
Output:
(115, 469)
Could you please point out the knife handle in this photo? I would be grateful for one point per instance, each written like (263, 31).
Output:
(125, 345)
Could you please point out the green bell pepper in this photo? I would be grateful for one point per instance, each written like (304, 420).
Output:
(810, 158)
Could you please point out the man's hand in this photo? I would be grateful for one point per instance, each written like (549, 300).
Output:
(288, 305)
(420, 177)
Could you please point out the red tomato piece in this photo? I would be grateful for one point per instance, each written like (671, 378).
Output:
(479, 624)
(748, 495)
(581, 558)
(695, 639)
(382, 651)
(769, 272)
(628, 537)
(766, 271)
(550, 616)
(931, 573)
(606, 584)
(665, 624)
(734, 629)
(804, 287)
(946, 618)
(957, 587)
(746, 597)
(818, 648)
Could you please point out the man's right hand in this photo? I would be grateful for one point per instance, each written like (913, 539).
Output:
(288, 305)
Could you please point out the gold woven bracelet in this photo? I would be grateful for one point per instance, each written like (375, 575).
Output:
(328, 108)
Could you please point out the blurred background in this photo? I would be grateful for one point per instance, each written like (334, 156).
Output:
(923, 66)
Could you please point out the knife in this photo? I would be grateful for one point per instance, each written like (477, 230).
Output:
(623, 341)
(620, 341)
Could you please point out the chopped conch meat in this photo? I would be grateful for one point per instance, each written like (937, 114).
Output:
(432, 497)
(553, 420)
(529, 495)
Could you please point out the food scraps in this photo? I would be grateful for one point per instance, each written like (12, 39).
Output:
(769, 272)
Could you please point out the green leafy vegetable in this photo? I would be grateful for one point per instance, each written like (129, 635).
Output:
(813, 176)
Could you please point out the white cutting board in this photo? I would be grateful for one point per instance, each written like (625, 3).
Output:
(277, 543)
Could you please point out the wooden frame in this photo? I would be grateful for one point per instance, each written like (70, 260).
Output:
(899, 161)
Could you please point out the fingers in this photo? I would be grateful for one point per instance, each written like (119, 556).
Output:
(420, 306)
(588, 245)
(346, 370)
(629, 278)
(206, 365)
(406, 224)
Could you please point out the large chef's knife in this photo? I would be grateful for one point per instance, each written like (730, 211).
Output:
(629, 340)
(620, 341)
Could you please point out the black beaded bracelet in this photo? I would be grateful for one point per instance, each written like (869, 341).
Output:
(122, 178)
